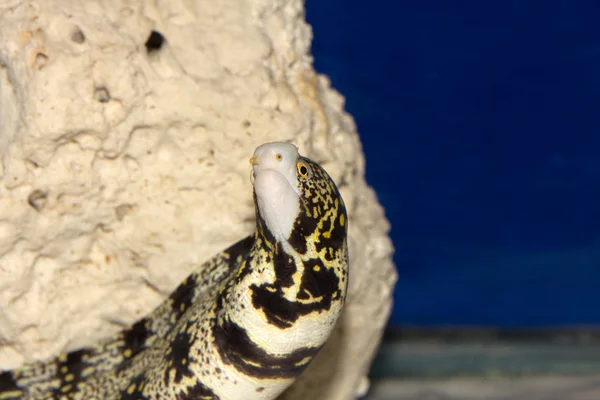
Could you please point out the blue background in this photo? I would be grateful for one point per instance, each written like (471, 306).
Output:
(480, 123)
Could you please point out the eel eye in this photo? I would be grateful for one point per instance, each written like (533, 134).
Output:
(303, 170)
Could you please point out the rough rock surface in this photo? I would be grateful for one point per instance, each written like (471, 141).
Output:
(124, 165)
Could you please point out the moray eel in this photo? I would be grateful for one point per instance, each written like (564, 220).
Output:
(244, 325)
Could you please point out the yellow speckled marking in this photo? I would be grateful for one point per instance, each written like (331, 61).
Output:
(11, 395)
(131, 388)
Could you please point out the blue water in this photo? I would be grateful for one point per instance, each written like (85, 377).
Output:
(481, 127)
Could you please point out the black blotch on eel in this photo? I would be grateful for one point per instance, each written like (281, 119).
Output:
(236, 348)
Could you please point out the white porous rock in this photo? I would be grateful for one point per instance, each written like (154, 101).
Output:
(124, 166)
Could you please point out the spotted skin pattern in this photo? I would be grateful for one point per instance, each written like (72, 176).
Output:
(244, 325)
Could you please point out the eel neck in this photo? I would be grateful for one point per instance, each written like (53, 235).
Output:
(283, 301)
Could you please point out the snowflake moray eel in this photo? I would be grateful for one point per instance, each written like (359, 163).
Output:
(244, 325)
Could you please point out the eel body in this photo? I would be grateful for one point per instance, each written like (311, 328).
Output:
(244, 325)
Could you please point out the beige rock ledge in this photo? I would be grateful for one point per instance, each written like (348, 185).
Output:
(124, 166)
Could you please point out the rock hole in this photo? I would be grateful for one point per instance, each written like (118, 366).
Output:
(77, 36)
(101, 94)
(154, 42)
(38, 199)
(40, 61)
(34, 164)
(122, 210)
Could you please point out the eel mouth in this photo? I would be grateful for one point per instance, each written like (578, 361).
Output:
(272, 173)
(275, 185)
